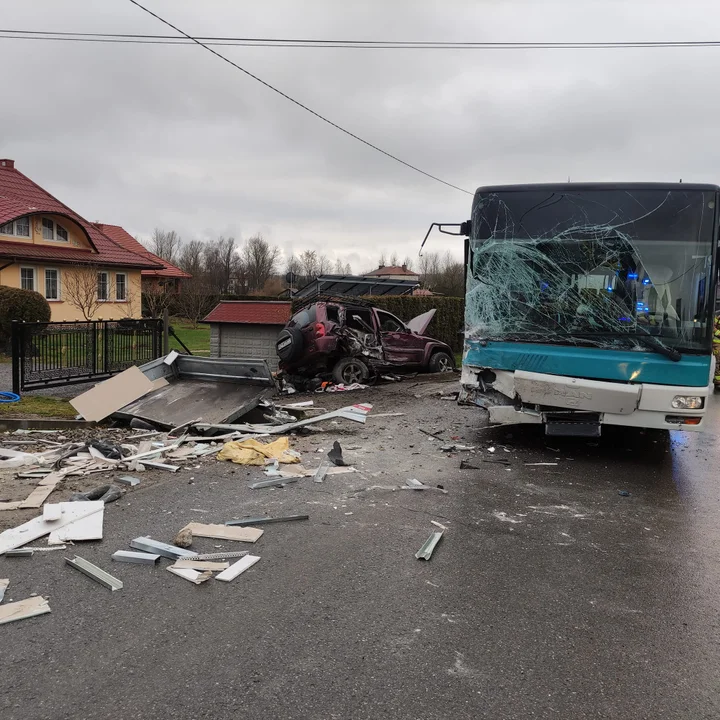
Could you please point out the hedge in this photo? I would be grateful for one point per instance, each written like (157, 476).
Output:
(18, 304)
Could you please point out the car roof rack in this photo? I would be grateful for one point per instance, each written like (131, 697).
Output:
(341, 300)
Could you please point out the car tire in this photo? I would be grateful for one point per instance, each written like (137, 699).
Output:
(440, 362)
(288, 351)
(350, 370)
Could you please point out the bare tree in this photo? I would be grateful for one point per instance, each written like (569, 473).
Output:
(80, 289)
(339, 267)
(195, 301)
(394, 259)
(222, 265)
(165, 244)
(190, 258)
(407, 262)
(383, 261)
(348, 269)
(309, 264)
(260, 261)
(156, 298)
(324, 265)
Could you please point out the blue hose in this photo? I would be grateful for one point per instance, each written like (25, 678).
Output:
(9, 397)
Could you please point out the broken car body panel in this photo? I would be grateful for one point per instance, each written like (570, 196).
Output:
(591, 304)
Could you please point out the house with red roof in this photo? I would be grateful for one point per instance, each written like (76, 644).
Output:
(168, 277)
(394, 272)
(247, 328)
(78, 268)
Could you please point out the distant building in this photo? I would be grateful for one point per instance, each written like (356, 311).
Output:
(394, 272)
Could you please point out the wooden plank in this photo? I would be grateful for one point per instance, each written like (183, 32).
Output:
(193, 576)
(11, 505)
(23, 609)
(236, 568)
(224, 532)
(199, 565)
(109, 396)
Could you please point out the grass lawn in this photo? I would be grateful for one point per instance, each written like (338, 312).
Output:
(197, 339)
(39, 406)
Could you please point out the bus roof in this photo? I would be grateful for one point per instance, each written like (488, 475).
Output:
(575, 187)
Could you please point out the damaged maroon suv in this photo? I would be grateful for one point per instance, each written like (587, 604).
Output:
(352, 341)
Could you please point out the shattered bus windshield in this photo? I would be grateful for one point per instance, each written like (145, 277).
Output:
(600, 267)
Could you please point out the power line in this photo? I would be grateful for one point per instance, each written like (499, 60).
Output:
(299, 104)
(137, 38)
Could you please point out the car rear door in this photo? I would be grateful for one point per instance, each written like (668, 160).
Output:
(401, 347)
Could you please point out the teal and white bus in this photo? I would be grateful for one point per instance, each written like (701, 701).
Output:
(591, 305)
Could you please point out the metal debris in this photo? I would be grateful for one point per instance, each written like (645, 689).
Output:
(222, 555)
(149, 545)
(141, 558)
(97, 574)
(266, 520)
(128, 480)
(426, 551)
(277, 481)
(22, 552)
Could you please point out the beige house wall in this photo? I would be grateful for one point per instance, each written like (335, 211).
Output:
(63, 310)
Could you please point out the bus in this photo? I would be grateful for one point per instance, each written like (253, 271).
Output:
(591, 305)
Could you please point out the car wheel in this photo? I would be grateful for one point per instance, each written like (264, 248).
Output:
(441, 362)
(350, 370)
(289, 344)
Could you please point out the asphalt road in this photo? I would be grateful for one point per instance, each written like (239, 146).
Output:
(550, 596)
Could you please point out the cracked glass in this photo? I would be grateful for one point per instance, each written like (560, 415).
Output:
(611, 268)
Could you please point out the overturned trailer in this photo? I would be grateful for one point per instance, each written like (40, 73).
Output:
(210, 390)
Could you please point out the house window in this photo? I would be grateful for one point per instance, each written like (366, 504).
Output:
(52, 284)
(102, 288)
(48, 229)
(53, 231)
(20, 227)
(120, 287)
(27, 278)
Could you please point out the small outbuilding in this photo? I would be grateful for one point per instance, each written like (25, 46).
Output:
(247, 328)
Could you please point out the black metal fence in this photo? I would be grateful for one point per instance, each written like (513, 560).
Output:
(55, 354)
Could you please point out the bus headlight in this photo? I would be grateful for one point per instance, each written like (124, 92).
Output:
(687, 402)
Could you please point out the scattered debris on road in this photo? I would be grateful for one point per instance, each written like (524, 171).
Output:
(22, 609)
(428, 547)
(95, 573)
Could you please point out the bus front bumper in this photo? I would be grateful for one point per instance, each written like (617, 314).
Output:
(574, 406)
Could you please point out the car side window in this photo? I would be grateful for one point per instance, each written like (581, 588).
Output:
(332, 313)
(304, 317)
(389, 323)
(364, 314)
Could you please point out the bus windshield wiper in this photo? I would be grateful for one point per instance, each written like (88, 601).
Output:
(644, 337)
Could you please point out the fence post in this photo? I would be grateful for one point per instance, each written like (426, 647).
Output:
(106, 347)
(166, 331)
(16, 360)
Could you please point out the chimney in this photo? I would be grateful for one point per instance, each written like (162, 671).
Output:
(404, 266)
(10, 164)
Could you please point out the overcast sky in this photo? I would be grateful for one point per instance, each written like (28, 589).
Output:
(172, 137)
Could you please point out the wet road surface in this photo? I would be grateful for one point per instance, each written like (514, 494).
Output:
(551, 595)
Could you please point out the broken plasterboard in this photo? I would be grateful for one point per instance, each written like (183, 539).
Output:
(3, 587)
(38, 527)
(236, 568)
(224, 532)
(23, 609)
(88, 527)
(108, 397)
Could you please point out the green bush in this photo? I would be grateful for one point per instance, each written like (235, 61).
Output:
(17, 304)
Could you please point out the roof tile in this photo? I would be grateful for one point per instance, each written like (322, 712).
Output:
(125, 239)
(267, 312)
(21, 196)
